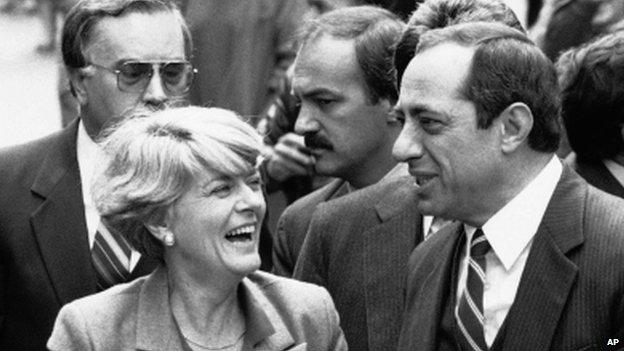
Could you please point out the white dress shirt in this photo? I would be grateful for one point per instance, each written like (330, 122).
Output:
(510, 232)
(89, 156)
(616, 169)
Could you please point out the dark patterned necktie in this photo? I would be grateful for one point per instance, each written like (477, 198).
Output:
(111, 257)
(469, 313)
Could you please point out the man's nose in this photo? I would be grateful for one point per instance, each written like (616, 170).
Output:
(408, 145)
(155, 91)
(306, 123)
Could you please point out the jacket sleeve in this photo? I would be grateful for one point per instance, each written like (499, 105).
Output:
(70, 331)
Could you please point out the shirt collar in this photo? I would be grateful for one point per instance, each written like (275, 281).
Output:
(88, 154)
(513, 227)
(616, 169)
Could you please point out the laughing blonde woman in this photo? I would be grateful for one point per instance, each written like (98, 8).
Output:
(182, 186)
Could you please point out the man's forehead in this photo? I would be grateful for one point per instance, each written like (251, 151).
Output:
(138, 36)
(441, 66)
(325, 48)
(326, 59)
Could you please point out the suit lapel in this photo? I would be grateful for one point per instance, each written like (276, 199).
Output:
(424, 320)
(388, 246)
(59, 224)
(548, 275)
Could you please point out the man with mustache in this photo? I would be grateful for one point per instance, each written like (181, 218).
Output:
(121, 55)
(343, 76)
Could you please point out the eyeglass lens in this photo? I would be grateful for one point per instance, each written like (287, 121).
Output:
(135, 76)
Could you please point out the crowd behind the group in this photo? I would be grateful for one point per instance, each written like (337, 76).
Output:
(454, 177)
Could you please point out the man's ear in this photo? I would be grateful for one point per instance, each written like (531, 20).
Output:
(391, 117)
(516, 124)
(77, 77)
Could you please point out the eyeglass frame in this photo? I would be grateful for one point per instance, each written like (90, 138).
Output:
(160, 64)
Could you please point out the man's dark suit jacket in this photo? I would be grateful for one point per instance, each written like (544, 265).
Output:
(596, 174)
(293, 225)
(45, 259)
(357, 248)
(571, 293)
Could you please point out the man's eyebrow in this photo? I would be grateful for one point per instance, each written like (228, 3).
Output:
(316, 92)
(412, 109)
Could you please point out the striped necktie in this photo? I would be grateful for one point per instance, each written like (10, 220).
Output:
(111, 257)
(469, 312)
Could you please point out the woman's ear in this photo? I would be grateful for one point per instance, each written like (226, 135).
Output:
(516, 124)
(159, 227)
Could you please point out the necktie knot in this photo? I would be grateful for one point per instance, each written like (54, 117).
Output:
(479, 245)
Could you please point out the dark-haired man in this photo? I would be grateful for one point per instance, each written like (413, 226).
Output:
(534, 261)
(121, 55)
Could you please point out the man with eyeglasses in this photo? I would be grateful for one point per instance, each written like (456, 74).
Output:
(122, 56)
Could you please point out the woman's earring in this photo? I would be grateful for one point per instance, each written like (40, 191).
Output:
(169, 240)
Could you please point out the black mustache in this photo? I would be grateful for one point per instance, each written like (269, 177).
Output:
(316, 141)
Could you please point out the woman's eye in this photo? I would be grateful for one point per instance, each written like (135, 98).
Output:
(221, 190)
(255, 182)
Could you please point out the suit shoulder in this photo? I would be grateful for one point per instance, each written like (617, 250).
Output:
(604, 217)
(106, 307)
(309, 202)
(385, 192)
(599, 200)
(305, 310)
(19, 160)
(29, 149)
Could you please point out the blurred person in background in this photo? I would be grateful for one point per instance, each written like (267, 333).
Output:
(121, 55)
(242, 49)
(182, 185)
(569, 23)
(592, 82)
(563, 24)
(50, 11)
(18, 6)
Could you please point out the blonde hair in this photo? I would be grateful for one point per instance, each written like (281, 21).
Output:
(154, 159)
